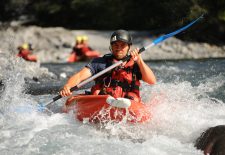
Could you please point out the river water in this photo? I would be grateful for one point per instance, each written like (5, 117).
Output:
(190, 99)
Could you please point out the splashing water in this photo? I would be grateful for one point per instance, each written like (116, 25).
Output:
(189, 101)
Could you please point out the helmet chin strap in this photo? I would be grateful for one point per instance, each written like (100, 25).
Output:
(110, 48)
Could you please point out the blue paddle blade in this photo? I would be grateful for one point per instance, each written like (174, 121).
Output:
(160, 39)
(30, 108)
(41, 108)
(23, 109)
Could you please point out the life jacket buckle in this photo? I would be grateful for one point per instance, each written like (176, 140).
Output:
(109, 83)
(117, 82)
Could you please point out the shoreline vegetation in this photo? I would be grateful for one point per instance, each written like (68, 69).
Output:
(155, 16)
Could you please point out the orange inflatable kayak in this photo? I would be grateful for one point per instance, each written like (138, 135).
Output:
(94, 108)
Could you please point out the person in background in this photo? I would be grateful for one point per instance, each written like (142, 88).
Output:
(76, 52)
(87, 50)
(82, 51)
(123, 81)
(25, 52)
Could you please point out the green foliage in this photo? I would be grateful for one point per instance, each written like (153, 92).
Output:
(221, 15)
(114, 14)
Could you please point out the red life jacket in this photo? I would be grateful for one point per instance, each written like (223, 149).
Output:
(81, 54)
(27, 55)
(23, 53)
(122, 81)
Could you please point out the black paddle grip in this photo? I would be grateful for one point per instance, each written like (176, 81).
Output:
(56, 98)
(59, 96)
(129, 56)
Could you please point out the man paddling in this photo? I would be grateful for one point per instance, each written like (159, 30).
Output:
(121, 83)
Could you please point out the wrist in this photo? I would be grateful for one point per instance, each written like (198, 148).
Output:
(139, 61)
(67, 86)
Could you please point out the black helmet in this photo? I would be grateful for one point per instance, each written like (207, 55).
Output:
(121, 35)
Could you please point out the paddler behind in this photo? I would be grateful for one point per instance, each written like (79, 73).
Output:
(25, 52)
(82, 51)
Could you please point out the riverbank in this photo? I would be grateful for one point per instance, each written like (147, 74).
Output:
(55, 44)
